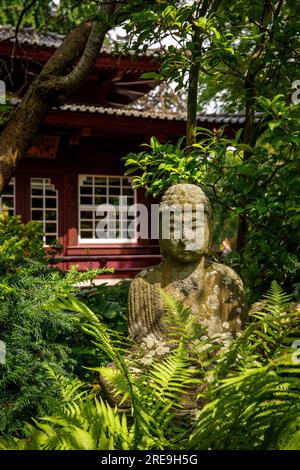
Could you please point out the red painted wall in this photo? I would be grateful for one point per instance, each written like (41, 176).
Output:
(89, 157)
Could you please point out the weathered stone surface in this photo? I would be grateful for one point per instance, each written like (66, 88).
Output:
(213, 291)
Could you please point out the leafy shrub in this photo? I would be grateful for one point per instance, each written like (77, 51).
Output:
(34, 335)
(110, 305)
(25, 240)
(251, 393)
(109, 302)
(22, 239)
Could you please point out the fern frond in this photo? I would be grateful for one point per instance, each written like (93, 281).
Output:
(68, 387)
(263, 401)
(171, 377)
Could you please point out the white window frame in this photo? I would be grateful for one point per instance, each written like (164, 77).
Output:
(46, 184)
(9, 196)
(89, 207)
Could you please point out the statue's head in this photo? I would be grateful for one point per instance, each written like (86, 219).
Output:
(185, 215)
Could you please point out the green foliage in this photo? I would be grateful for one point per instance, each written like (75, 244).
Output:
(33, 337)
(230, 45)
(247, 57)
(47, 15)
(109, 302)
(253, 400)
(251, 391)
(259, 184)
(88, 424)
(21, 239)
(256, 409)
(274, 325)
(36, 16)
(33, 334)
(110, 305)
(166, 164)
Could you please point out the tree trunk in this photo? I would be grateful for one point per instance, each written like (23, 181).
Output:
(52, 87)
(192, 102)
(269, 14)
(248, 135)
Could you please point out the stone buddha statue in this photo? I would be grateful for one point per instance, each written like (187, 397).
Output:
(213, 291)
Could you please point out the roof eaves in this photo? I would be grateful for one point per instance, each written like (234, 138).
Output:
(215, 118)
(29, 36)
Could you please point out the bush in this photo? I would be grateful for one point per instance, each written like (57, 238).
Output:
(110, 305)
(249, 398)
(24, 240)
(34, 336)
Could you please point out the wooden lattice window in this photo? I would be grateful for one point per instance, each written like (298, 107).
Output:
(44, 207)
(94, 193)
(8, 199)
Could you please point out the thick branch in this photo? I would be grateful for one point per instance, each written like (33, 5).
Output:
(95, 40)
(53, 84)
(192, 104)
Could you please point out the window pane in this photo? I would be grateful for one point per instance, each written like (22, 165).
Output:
(86, 200)
(103, 190)
(130, 200)
(127, 192)
(87, 180)
(100, 181)
(8, 202)
(51, 215)
(9, 190)
(38, 182)
(100, 191)
(37, 215)
(86, 215)
(85, 234)
(114, 181)
(86, 190)
(37, 202)
(87, 225)
(44, 201)
(50, 192)
(114, 200)
(50, 227)
(114, 191)
(37, 192)
(50, 239)
(100, 200)
(51, 203)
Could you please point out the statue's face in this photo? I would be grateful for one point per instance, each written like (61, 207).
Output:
(186, 238)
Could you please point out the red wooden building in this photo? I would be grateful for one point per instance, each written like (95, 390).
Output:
(76, 164)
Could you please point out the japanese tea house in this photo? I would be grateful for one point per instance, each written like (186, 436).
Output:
(75, 163)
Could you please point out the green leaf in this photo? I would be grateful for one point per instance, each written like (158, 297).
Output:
(273, 124)
(247, 169)
(150, 75)
(201, 22)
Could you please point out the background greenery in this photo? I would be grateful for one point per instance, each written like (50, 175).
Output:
(36, 337)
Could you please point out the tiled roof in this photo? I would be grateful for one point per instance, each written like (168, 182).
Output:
(29, 36)
(215, 118)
